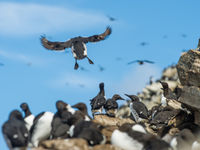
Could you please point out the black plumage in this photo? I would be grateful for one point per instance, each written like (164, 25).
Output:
(15, 131)
(140, 62)
(77, 45)
(60, 120)
(167, 92)
(98, 102)
(111, 105)
(138, 107)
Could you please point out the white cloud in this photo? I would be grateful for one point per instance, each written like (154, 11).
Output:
(26, 19)
(21, 58)
(136, 79)
(74, 81)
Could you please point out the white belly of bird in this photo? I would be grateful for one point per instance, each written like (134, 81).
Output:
(42, 129)
(29, 121)
(85, 50)
(122, 140)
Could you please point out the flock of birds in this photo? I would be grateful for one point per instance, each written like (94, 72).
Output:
(74, 122)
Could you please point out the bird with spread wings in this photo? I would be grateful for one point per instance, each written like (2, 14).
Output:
(140, 62)
(77, 45)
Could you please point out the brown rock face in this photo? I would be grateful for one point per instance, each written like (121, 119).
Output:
(71, 144)
(191, 96)
(110, 121)
(188, 68)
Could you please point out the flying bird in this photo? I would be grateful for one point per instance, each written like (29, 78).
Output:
(77, 45)
(140, 62)
(111, 18)
(144, 43)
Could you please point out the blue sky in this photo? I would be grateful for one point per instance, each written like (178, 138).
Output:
(40, 77)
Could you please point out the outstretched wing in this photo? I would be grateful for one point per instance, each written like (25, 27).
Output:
(148, 61)
(131, 62)
(97, 38)
(58, 46)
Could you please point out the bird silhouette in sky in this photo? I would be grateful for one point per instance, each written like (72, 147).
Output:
(140, 62)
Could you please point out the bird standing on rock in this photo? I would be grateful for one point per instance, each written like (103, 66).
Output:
(111, 105)
(77, 45)
(98, 102)
(138, 109)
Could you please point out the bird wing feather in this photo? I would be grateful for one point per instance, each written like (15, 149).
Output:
(97, 38)
(58, 46)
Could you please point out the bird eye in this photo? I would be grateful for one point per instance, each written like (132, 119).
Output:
(15, 136)
(26, 135)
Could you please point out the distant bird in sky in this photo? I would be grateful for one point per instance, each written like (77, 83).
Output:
(1, 64)
(165, 36)
(77, 45)
(101, 68)
(140, 62)
(184, 35)
(111, 18)
(83, 68)
(118, 59)
(144, 43)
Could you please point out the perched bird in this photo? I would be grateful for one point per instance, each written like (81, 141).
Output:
(167, 92)
(77, 45)
(41, 128)
(59, 123)
(183, 140)
(198, 46)
(89, 131)
(140, 62)
(111, 105)
(134, 137)
(29, 117)
(98, 102)
(14, 131)
(83, 109)
(138, 109)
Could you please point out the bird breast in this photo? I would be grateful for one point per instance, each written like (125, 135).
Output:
(79, 50)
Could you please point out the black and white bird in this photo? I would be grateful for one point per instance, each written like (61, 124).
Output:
(98, 102)
(135, 137)
(83, 109)
(29, 117)
(14, 131)
(89, 131)
(41, 128)
(138, 110)
(111, 105)
(140, 62)
(198, 46)
(60, 126)
(77, 45)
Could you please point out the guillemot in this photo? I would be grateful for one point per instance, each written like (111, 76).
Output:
(138, 110)
(77, 45)
(135, 137)
(29, 117)
(89, 131)
(14, 131)
(83, 109)
(60, 126)
(111, 105)
(41, 128)
(98, 102)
